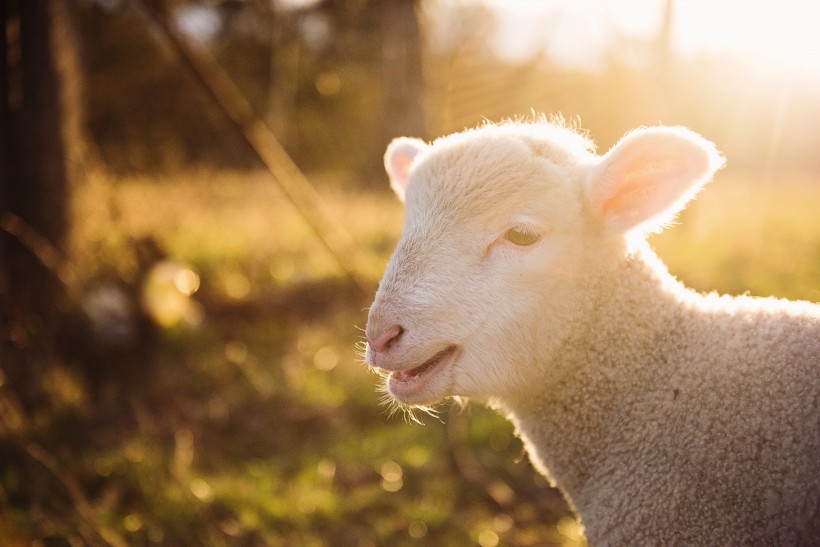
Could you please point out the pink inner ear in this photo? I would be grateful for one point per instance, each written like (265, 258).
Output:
(645, 194)
(641, 194)
(648, 177)
(398, 161)
(626, 198)
(400, 167)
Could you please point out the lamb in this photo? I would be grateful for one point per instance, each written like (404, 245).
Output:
(523, 280)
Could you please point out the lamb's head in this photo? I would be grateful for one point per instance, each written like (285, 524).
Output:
(504, 224)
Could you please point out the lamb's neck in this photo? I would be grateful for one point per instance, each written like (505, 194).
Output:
(573, 424)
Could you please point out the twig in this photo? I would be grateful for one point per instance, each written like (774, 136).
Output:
(48, 255)
(81, 505)
(13, 425)
(294, 184)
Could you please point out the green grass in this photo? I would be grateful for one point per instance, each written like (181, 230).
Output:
(260, 426)
(746, 235)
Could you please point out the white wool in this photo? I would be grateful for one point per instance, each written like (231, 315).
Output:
(523, 280)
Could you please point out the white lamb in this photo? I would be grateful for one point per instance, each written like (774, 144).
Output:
(523, 280)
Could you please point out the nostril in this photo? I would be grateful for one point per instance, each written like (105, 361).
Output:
(386, 339)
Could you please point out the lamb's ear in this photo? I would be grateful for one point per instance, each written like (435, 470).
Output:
(650, 176)
(398, 160)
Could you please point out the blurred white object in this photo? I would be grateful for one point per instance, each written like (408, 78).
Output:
(112, 314)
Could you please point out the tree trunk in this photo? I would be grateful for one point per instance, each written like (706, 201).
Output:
(33, 187)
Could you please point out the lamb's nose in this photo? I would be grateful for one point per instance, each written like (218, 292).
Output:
(386, 339)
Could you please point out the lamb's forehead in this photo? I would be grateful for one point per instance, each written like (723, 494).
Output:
(496, 162)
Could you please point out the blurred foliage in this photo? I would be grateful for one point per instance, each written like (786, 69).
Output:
(337, 79)
(317, 75)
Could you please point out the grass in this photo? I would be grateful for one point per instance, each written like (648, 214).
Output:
(748, 235)
(256, 424)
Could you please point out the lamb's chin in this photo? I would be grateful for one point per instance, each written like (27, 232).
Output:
(426, 384)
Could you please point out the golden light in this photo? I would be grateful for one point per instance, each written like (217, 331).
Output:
(785, 30)
(166, 294)
(580, 33)
(391, 473)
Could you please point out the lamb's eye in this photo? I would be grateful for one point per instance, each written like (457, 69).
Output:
(521, 236)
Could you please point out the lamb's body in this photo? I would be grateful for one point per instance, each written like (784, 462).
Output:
(679, 443)
(665, 416)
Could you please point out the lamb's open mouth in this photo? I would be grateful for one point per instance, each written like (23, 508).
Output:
(404, 383)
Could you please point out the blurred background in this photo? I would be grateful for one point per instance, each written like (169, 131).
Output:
(194, 218)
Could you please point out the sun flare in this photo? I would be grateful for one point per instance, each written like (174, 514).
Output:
(784, 31)
(582, 31)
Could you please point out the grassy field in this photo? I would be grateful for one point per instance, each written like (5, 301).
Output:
(253, 421)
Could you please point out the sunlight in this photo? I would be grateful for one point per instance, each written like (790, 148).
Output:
(580, 33)
(781, 31)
